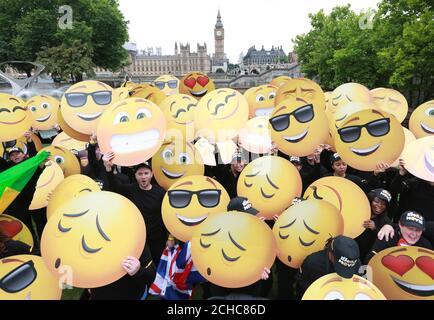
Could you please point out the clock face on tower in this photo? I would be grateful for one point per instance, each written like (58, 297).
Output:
(219, 33)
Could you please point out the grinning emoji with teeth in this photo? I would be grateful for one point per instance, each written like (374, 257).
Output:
(368, 137)
(133, 129)
(44, 112)
(189, 202)
(261, 100)
(196, 84)
(15, 117)
(421, 122)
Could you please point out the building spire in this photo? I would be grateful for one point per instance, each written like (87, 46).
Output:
(219, 23)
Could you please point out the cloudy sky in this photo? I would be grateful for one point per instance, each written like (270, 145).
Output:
(246, 22)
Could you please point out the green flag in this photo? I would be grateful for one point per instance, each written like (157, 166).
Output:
(13, 180)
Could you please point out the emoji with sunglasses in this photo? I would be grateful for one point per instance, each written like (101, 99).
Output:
(134, 129)
(261, 100)
(270, 183)
(83, 104)
(92, 234)
(68, 130)
(168, 84)
(305, 89)
(67, 161)
(231, 249)
(25, 277)
(148, 92)
(421, 122)
(196, 84)
(419, 158)
(44, 112)
(297, 127)
(191, 201)
(334, 287)
(15, 117)
(304, 228)
(368, 137)
(403, 273)
(349, 92)
(179, 110)
(391, 101)
(70, 188)
(176, 160)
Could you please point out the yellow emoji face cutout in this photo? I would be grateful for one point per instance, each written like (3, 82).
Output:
(21, 143)
(270, 183)
(47, 182)
(220, 115)
(344, 113)
(133, 129)
(121, 93)
(419, 158)
(421, 122)
(327, 97)
(66, 160)
(409, 138)
(44, 112)
(391, 101)
(280, 81)
(179, 110)
(231, 249)
(83, 104)
(189, 202)
(302, 88)
(174, 161)
(148, 92)
(304, 228)
(350, 200)
(255, 136)
(70, 188)
(369, 137)
(71, 144)
(14, 229)
(168, 84)
(69, 131)
(15, 117)
(403, 273)
(25, 277)
(349, 92)
(261, 100)
(297, 127)
(88, 235)
(334, 287)
(196, 84)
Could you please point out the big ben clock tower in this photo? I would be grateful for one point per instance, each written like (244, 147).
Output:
(219, 36)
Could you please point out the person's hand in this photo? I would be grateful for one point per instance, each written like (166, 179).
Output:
(108, 160)
(57, 127)
(402, 170)
(131, 265)
(93, 138)
(381, 167)
(369, 224)
(325, 146)
(265, 274)
(170, 244)
(317, 154)
(49, 196)
(274, 149)
(275, 217)
(28, 136)
(261, 218)
(387, 232)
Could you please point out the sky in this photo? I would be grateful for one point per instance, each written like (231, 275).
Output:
(246, 22)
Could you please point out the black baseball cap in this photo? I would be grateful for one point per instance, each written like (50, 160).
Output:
(241, 204)
(412, 219)
(145, 164)
(347, 256)
(15, 149)
(382, 194)
(335, 157)
(295, 160)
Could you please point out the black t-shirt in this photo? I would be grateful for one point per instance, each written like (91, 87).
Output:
(14, 248)
(228, 180)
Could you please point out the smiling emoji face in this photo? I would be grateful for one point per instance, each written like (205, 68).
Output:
(421, 122)
(196, 84)
(44, 111)
(133, 129)
(220, 115)
(15, 117)
(65, 159)
(25, 277)
(304, 228)
(261, 100)
(349, 92)
(297, 127)
(231, 249)
(89, 235)
(404, 273)
(255, 136)
(369, 137)
(174, 161)
(83, 104)
(179, 110)
(168, 84)
(270, 183)
(391, 101)
(419, 158)
(334, 287)
(347, 197)
(189, 202)
(148, 92)
(68, 130)
(302, 88)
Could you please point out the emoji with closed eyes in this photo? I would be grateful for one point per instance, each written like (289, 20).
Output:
(297, 127)
(15, 117)
(391, 101)
(83, 104)
(270, 183)
(231, 249)
(191, 201)
(91, 235)
(196, 84)
(44, 112)
(67, 161)
(334, 287)
(368, 137)
(168, 84)
(419, 158)
(25, 277)
(179, 111)
(261, 100)
(305, 89)
(421, 122)
(304, 228)
(349, 92)
(280, 81)
(403, 273)
(69, 143)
